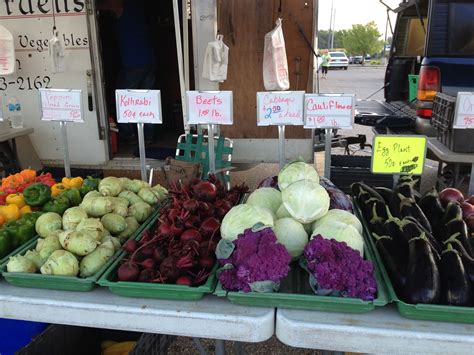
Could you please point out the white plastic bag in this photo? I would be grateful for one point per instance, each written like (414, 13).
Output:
(216, 60)
(7, 52)
(275, 64)
(56, 53)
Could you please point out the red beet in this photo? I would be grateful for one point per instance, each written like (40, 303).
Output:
(190, 234)
(222, 207)
(205, 190)
(209, 226)
(168, 269)
(128, 271)
(191, 205)
(130, 246)
(177, 228)
(148, 263)
(207, 247)
(184, 280)
(467, 209)
(207, 262)
(147, 251)
(470, 200)
(173, 213)
(164, 229)
(146, 275)
(192, 222)
(158, 254)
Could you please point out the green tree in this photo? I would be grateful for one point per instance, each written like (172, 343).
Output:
(362, 39)
(323, 37)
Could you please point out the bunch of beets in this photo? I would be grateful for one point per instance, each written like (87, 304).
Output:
(180, 248)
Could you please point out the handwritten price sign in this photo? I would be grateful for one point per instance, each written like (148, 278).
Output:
(61, 105)
(280, 108)
(464, 113)
(398, 154)
(329, 111)
(210, 107)
(138, 106)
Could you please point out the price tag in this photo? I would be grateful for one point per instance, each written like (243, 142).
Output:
(280, 108)
(464, 112)
(398, 154)
(138, 106)
(61, 105)
(210, 107)
(329, 111)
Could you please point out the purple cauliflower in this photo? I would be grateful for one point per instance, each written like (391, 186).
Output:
(337, 267)
(257, 256)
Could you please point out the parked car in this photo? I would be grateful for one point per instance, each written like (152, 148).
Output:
(443, 58)
(358, 59)
(338, 60)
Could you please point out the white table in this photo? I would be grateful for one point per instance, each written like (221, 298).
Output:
(212, 317)
(381, 331)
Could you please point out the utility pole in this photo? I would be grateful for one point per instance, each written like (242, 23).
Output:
(333, 29)
(330, 33)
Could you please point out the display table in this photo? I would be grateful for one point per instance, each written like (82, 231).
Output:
(448, 156)
(380, 331)
(211, 317)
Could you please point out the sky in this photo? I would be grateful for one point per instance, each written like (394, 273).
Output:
(350, 12)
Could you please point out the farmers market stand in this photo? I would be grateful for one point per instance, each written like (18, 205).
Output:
(382, 330)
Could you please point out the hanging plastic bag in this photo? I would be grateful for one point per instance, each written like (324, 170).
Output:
(57, 53)
(275, 64)
(7, 52)
(216, 60)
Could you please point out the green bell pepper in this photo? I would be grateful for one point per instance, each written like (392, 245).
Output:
(5, 243)
(37, 194)
(73, 195)
(89, 184)
(58, 205)
(21, 231)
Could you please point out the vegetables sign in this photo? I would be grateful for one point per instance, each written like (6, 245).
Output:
(138, 106)
(62, 105)
(398, 154)
(280, 108)
(209, 107)
(464, 115)
(329, 111)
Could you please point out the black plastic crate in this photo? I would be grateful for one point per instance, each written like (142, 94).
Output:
(458, 140)
(346, 169)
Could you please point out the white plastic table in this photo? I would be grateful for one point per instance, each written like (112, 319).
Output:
(382, 331)
(210, 317)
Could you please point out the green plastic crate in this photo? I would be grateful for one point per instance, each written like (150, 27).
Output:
(154, 290)
(65, 283)
(412, 87)
(296, 293)
(17, 250)
(430, 312)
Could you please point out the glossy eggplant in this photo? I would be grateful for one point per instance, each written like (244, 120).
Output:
(423, 284)
(453, 211)
(412, 228)
(434, 211)
(395, 260)
(457, 229)
(385, 192)
(379, 212)
(394, 228)
(358, 187)
(456, 286)
(408, 208)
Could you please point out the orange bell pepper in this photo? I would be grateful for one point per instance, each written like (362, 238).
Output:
(29, 175)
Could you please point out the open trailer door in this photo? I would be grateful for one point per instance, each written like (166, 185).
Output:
(31, 23)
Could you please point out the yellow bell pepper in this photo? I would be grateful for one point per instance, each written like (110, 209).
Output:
(10, 212)
(122, 348)
(72, 182)
(56, 189)
(25, 210)
(16, 199)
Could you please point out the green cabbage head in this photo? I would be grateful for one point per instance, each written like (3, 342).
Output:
(242, 217)
(296, 171)
(306, 200)
(266, 197)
